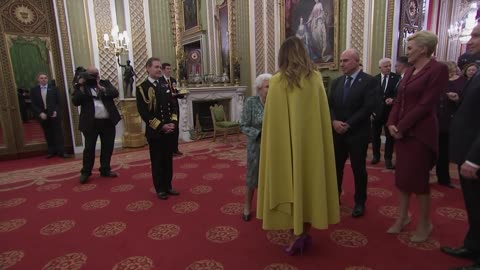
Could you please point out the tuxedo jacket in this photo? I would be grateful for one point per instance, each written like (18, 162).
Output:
(84, 99)
(382, 110)
(358, 106)
(155, 106)
(53, 101)
(414, 111)
(465, 126)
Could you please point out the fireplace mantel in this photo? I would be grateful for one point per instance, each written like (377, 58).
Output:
(234, 93)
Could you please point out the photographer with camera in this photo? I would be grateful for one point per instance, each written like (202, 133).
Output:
(98, 117)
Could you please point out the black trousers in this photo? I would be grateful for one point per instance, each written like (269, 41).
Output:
(177, 130)
(355, 148)
(471, 191)
(106, 130)
(161, 158)
(52, 129)
(443, 162)
(377, 126)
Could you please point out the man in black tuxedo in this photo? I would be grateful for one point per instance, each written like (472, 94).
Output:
(352, 100)
(46, 108)
(387, 80)
(154, 103)
(465, 151)
(98, 117)
(172, 84)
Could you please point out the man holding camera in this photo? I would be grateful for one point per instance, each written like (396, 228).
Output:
(98, 117)
(155, 106)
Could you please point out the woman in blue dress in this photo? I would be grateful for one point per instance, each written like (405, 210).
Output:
(251, 125)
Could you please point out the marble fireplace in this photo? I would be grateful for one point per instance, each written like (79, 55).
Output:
(231, 97)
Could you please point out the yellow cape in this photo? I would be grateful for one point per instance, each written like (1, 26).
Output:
(297, 177)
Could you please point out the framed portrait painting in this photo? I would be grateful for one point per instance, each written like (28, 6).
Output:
(191, 16)
(315, 22)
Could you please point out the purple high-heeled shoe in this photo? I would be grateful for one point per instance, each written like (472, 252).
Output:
(298, 245)
(308, 239)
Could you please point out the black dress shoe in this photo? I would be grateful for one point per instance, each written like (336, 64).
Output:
(84, 178)
(109, 174)
(475, 266)
(50, 155)
(173, 192)
(65, 156)
(374, 161)
(461, 252)
(162, 195)
(389, 165)
(358, 210)
(246, 217)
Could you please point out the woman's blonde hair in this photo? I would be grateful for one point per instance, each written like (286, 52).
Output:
(425, 39)
(452, 66)
(294, 62)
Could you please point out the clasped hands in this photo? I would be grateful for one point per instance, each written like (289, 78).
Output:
(168, 128)
(340, 127)
(43, 115)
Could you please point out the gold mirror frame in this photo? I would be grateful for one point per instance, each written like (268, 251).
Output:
(178, 26)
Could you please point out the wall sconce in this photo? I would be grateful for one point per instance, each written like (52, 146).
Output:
(119, 41)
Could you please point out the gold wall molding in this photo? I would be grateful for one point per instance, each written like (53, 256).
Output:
(357, 26)
(259, 38)
(389, 31)
(103, 24)
(67, 61)
(270, 45)
(139, 38)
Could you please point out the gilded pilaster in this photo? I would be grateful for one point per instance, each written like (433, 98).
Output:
(68, 61)
(389, 31)
(103, 22)
(358, 15)
(139, 38)
(270, 46)
(259, 37)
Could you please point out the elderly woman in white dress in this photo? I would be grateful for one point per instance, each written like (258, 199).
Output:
(251, 125)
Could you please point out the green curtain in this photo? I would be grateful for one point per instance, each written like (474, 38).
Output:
(29, 57)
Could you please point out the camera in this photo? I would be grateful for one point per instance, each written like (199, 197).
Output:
(90, 79)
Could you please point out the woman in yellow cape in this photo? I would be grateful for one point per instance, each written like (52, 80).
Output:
(297, 179)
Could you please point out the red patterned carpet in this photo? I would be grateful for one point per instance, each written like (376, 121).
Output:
(33, 132)
(49, 221)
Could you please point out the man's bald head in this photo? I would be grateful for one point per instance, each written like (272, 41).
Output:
(92, 70)
(350, 61)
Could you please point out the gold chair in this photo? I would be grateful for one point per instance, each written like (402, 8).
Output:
(221, 124)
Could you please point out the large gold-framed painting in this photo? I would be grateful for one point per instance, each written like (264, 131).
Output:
(315, 22)
(191, 16)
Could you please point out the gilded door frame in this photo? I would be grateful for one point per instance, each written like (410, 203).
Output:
(38, 20)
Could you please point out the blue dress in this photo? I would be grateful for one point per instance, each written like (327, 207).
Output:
(251, 125)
